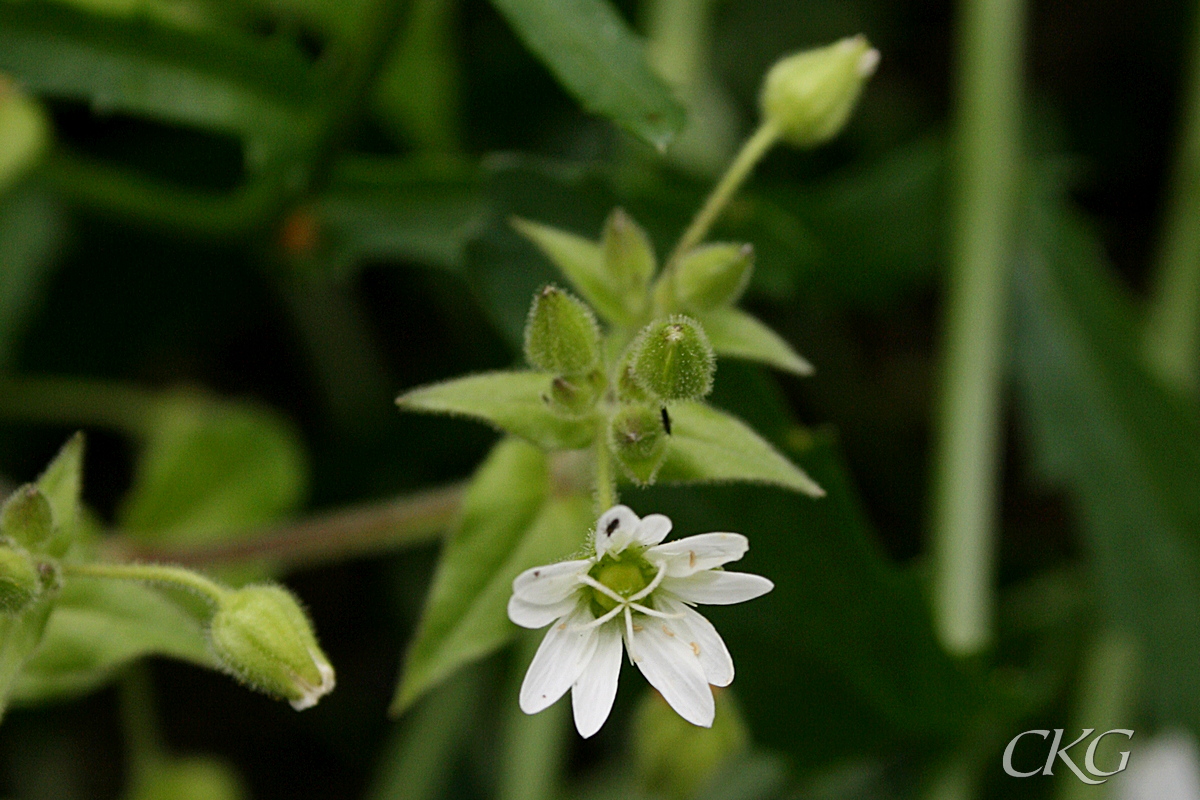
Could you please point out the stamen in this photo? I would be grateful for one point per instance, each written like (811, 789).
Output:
(650, 612)
(629, 635)
(658, 578)
(600, 587)
(598, 621)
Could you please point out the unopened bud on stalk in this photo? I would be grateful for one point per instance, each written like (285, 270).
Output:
(713, 275)
(673, 360)
(638, 439)
(561, 334)
(262, 636)
(20, 581)
(26, 517)
(629, 257)
(575, 396)
(809, 96)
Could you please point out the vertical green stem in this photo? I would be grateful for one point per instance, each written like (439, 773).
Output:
(761, 141)
(140, 725)
(966, 460)
(606, 485)
(1172, 343)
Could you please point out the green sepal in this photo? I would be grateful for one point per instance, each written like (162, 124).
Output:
(628, 258)
(576, 396)
(20, 583)
(673, 360)
(713, 275)
(561, 334)
(707, 445)
(638, 439)
(508, 524)
(515, 402)
(581, 261)
(736, 334)
(61, 484)
(100, 625)
(26, 517)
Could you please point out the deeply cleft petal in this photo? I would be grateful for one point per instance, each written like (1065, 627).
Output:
(537, 615)
(672, 667)
(652, 529)
(559, 661)
(704, 640)
(552, 583)
(718, 588)
(593, 694)
(694, 554)
(615, 530)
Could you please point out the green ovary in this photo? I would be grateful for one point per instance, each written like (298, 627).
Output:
(623, 578)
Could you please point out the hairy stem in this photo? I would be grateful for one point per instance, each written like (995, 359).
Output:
(966, 460)
(350, 533)
(606, 485)
(1172, 337)
(173, 577)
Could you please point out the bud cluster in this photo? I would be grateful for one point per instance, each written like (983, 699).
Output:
(26, 571)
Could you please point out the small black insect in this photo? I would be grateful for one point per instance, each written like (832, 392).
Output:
(666, 418)
(612, 526)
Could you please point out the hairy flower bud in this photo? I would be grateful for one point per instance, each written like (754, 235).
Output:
(26, 517)
(713, 275)
(673, 360)
(628, 257)
(638, 439)
(576, 396)
(809, 96)
(20, 581)
(262, 636)
(561, 335)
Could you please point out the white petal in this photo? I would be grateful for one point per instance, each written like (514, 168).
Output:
(552, 583)
(705, 642)
(593, 694)
(537, 615)
(669, 664)
(718, 588)
(652, 529)
(559, 661)
(695, 553)
(614, 529)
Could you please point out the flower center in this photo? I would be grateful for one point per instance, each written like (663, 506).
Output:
(623, 578)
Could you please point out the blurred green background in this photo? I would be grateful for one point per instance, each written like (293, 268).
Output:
(252, 224)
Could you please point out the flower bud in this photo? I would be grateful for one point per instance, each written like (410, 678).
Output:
(628, 257)
(26, 517)
(561, 334)
(809, 96)
(713, 275)
(577, 395)
(673, 360)
(20, 581)
(674, 758)
(637, 438)
(262, 636)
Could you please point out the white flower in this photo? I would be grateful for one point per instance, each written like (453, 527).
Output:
(637, 590)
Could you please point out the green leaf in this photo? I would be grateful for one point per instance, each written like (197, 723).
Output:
(19, 635)
(736, 334)
(708, 445)
(211, 469)
(99, 625)
(507, 526)
(1127, 450)
(592, 52)
(61, 484)
(511, 401)
(136, 65)
(582, 262)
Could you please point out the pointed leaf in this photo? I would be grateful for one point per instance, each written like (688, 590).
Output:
(507, 526)
(19, 635)
(582, 262)
(709, 445)
(97, 626)
(595, 56)
(512, 401)
(736, 334)
(211, 469)
(60, 483)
